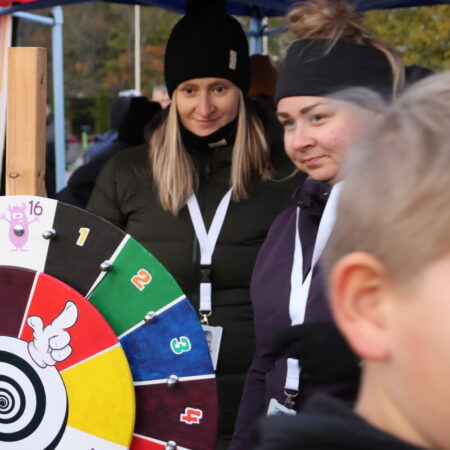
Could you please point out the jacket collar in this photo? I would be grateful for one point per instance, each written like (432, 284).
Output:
(313, 195)
(205, 145)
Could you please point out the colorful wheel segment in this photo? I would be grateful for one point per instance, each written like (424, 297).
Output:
(65, 381)
(176, 396)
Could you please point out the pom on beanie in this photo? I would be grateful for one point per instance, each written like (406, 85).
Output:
(205, 7)
(207, 42)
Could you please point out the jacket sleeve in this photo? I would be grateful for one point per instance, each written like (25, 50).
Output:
(252, 406)
(104, 201)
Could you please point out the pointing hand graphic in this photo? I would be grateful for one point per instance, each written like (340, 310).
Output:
(51, 344)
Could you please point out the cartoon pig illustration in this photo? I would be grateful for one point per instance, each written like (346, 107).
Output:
(18, 219)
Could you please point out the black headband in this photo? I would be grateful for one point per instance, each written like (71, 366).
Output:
(309, 69)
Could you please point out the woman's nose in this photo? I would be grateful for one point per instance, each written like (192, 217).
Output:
(303, 138)
(205, 106)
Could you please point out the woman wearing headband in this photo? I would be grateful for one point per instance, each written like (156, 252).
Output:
(333, 53)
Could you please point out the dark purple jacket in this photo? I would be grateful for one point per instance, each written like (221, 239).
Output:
(270, 292)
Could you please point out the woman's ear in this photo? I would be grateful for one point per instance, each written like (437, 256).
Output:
(360, 300)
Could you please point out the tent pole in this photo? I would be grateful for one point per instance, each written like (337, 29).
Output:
(56, 22)
(256, 32)
(31, 17)
(58, 97)
(137, 48)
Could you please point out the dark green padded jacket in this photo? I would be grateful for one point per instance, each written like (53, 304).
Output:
(124, 194)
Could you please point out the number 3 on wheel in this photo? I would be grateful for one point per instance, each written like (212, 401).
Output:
(180, 345)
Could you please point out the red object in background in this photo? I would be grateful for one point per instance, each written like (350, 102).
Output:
(4, 3)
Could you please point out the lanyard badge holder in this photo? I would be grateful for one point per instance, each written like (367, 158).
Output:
(205, 293)
(291, 387)
(207, 242)
(299, 296)
(291, 390)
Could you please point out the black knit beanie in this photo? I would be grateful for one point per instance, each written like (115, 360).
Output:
(207, 42)
(310, 70)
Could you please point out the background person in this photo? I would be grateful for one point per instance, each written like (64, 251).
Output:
(208, 142)
(261, 93)
(117, 110)
(160, 95)
(130, 133)
(287, 285)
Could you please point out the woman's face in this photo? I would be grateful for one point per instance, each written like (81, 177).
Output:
(318, 132)
(206, 104)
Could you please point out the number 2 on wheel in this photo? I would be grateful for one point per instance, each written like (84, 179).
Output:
(141, 279)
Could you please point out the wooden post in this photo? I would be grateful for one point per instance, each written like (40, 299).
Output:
(26, 121)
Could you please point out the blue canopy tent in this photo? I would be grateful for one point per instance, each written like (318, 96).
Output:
(264, 8)
(256, 9)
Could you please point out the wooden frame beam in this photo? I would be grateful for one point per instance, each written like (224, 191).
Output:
(26, 121)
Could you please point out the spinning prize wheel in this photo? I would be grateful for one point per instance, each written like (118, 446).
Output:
(57, 397)
(173, 377)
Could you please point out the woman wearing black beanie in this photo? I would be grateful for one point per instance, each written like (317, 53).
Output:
(334, 52)
(208, 167)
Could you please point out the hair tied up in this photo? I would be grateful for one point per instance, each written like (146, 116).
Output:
(338, 20)
(198, 7)
(327, 19)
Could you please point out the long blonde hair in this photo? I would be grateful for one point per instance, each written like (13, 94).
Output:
(173, 171)
(337, 20)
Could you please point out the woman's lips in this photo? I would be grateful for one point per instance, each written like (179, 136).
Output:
(206, 123)
(312, 161)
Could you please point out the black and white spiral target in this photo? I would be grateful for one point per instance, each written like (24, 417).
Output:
(33, 401)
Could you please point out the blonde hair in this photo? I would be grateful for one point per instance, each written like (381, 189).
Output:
(174, 174)
(337, 20)
(396, 197)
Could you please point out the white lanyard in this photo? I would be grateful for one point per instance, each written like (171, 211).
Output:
(207, 242)
(299, 288)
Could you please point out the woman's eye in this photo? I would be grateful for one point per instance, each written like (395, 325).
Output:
(187, 90)
(288, 124)
(220, 89)
(316, 118)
